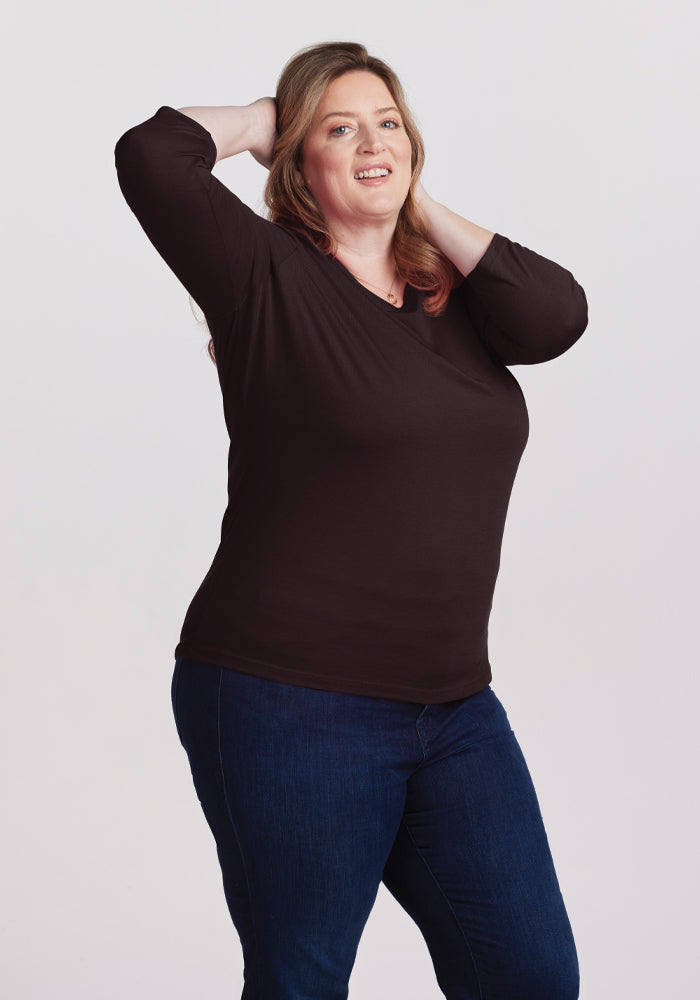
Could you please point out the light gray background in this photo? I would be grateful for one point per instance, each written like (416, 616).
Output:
(572, 129)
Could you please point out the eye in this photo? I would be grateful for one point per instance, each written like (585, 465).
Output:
(338, 130)
(390, 123)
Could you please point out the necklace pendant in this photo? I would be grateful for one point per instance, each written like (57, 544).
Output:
(391, 297)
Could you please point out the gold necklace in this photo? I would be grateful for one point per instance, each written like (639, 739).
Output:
(390, 294)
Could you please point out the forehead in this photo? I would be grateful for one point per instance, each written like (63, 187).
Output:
(358, 90)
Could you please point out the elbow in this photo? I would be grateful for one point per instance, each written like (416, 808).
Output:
(140, 144)
(126, 150)
(553, 333)
(567, 326)
(575, 319)
(129, 165)
(139, 163)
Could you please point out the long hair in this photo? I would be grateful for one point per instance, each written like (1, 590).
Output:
(299, 90)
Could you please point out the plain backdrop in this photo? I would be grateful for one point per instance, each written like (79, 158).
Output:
(568, 127)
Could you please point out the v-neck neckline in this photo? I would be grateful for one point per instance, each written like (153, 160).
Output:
(410, 294)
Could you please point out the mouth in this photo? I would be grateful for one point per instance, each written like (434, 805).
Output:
(372, 173)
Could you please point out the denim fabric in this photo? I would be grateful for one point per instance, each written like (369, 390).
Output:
(315, 797)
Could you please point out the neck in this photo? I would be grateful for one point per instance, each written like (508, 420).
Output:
(368, 254)
(377, 261)
(371, 242)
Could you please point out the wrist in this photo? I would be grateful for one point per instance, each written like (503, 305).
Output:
(262, 129)
(420, 195)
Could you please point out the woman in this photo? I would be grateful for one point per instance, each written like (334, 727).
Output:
(332, 682)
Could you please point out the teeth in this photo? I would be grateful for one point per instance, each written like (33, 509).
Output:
(375, 172)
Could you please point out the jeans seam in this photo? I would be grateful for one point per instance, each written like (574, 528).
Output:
(444, 895)
(469, 746)
(230, 811)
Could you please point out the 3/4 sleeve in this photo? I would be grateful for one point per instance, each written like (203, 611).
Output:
(211, 240)
(525, 308)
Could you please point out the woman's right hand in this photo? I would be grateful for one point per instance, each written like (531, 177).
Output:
(264, 131)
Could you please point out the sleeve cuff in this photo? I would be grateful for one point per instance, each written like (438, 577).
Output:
(165, 111)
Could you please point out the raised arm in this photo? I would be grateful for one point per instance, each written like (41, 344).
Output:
(217, 246)
(234, 129)
(525, 307)
(463, 242)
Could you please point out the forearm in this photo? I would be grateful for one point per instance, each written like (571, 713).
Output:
(461, 241)
(236, 129)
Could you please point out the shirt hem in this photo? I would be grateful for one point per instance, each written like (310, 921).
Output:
(465, 688)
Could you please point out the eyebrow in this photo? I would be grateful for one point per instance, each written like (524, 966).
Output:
(354, 114)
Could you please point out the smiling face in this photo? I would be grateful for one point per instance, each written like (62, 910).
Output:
(357, 154)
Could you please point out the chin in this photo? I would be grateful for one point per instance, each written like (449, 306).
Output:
(382, 208)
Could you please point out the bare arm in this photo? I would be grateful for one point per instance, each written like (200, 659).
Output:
(463, 242)
(252, 127)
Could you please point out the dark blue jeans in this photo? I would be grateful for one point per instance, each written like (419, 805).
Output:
(315, 797)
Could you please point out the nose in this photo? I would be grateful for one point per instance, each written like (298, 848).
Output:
(371, 141)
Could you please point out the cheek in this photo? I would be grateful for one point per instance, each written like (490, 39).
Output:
(407, 152)
(316, 166)
(327, 176)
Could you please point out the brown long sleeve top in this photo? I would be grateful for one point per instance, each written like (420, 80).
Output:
(373, 449)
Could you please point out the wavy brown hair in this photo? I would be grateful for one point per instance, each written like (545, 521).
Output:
(299, 90)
